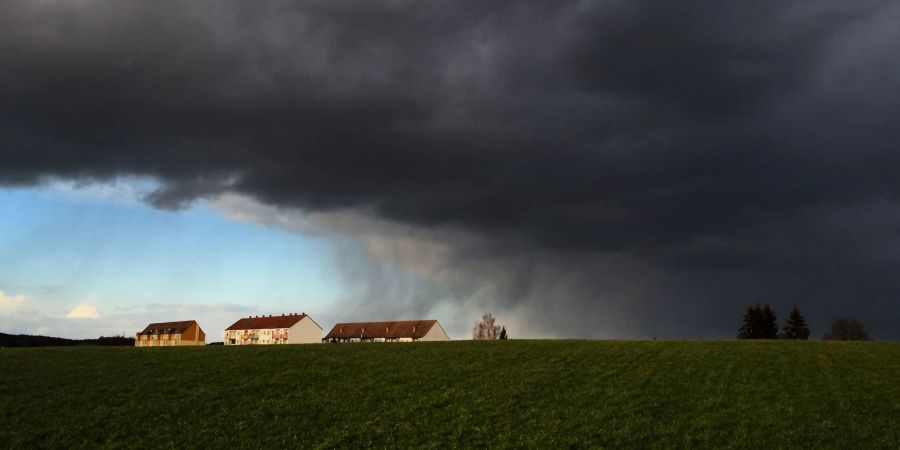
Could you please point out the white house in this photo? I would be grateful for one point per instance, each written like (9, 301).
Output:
(397, 331)
(283, 329)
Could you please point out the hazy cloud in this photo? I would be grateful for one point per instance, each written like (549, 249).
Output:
(11, 303)
(83, 312)
(32, 317)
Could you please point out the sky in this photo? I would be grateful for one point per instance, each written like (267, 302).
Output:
(581, 169)
(88, 261)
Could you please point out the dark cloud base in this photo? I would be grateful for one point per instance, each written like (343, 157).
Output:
(711, 141)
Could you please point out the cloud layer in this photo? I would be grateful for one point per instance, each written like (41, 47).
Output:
(646, 165)
(27, 315)
(83, 312)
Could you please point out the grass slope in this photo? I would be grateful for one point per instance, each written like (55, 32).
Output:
(461, 394)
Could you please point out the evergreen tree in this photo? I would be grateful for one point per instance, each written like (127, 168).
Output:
(503, 335)
(795, 326)
(748, 328)
(759, 323)
(768, 324)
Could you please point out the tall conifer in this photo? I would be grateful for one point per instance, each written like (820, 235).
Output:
(759, 323)
(748, 326)
(768, 326)
(795, 326)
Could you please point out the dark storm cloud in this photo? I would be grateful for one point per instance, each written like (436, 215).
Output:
(700, 136)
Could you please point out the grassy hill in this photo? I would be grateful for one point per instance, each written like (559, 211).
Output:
(518, 393)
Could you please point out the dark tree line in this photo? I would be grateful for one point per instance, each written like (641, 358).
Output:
(115, 341)
(760, 322)
(27, 340)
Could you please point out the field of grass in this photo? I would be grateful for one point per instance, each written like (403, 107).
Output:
(549, 394)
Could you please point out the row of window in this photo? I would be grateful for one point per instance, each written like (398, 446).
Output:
(254, 340)
(162, 337)
(153, 344)
(266, 332)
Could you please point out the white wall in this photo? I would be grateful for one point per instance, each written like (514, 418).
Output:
(436, 333)
(266, 336)
(305, 332)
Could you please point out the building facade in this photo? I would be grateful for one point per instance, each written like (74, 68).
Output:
(170, 334)
(269, 330)
(397, 331)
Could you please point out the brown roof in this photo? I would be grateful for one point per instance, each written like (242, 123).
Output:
(168, 327)
(388, 330)
(266, 322)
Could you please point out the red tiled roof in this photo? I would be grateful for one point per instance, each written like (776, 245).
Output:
(266, 322)
(387, 330)
(167, 327)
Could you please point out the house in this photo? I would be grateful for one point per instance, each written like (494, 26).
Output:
(397, 331)
(168, 334)
(284, 329)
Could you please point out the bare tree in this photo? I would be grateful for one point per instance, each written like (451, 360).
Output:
(845, 329)
(485, 329)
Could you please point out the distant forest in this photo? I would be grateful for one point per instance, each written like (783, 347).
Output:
(27, 340)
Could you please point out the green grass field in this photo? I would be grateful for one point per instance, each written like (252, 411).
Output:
(550, 394)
